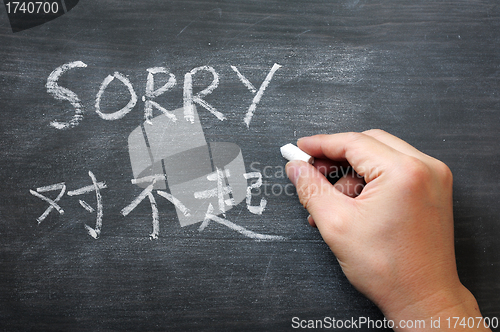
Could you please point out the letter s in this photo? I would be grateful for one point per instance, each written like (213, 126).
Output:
(295, 322)
(60, 93)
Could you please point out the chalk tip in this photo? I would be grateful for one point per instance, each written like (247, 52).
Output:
(291, 152)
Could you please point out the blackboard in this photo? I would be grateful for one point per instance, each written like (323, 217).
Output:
(105, 258)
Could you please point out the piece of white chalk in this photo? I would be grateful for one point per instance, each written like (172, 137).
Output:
(291, 152)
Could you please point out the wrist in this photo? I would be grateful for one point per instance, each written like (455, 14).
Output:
(446, 308)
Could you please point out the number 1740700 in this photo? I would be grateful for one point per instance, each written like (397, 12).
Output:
(38, 7)
(472, 322)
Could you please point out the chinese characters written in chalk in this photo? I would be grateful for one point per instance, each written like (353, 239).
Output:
(221, 190)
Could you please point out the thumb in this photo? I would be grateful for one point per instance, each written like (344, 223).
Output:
(316, 193)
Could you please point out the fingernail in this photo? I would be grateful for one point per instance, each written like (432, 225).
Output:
(311, 221)
(293, 172)
(301, 138)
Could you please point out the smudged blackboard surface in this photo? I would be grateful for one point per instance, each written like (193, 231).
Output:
(426, 71)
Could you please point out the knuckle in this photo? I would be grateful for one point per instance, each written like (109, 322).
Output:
(375, 132)
(355, 136)
(355, 139)
(420, 173)
(416, 171)
(444, 172)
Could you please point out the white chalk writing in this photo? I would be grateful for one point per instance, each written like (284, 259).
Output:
(222, 189)
(263, 202)
(242, 230)
(152, 93)
(96, 187)
(259, 94)
(189, 98)
(61, 93)
(121, 113)
(53, 203)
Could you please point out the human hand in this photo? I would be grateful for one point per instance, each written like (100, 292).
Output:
(394, 238)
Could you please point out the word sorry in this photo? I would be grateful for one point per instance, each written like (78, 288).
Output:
(189, 99)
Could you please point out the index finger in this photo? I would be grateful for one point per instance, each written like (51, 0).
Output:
(368, 156)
